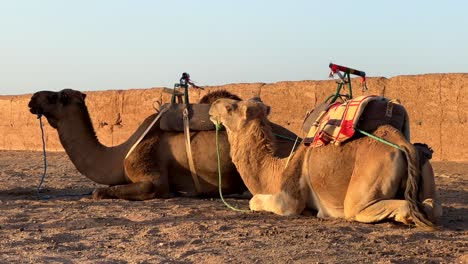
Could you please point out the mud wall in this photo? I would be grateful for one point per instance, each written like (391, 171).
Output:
(436, 104)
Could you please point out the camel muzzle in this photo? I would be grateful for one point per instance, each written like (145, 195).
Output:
(34, 108)
(35, 111)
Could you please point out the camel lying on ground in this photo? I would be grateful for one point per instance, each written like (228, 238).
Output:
(362, 180)
(157, 168)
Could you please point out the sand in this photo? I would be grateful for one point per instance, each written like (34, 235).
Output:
(76, 229)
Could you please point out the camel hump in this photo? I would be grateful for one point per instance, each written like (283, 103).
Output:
(199, 118)
(382, 112)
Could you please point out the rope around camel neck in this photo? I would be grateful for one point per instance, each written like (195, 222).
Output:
(218, 126)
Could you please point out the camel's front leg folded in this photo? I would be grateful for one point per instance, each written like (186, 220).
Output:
(138, 191)
(279, 203)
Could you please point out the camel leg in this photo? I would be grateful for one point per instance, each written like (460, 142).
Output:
(280, 203)
(384, 209)
(372, 189)
(138, 191)
(144, 189)
(428, 195)
(147, 182)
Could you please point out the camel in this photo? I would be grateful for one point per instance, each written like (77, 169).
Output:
(363, 180)
(157, 167)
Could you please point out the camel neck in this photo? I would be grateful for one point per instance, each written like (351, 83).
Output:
(252, 152)
(99, 163)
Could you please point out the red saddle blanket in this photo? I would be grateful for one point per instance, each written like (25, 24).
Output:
(338, 122)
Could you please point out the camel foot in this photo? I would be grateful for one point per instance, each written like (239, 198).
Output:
(432, 209)
(99, 194)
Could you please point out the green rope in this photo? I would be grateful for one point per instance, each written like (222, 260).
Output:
(285, 137)
(378, 139)
(218, 126)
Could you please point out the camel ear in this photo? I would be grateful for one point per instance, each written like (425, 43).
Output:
(230, 107)
(251, 110)
(64, 98)
(84, 96)
(257, 99)
(267, 110)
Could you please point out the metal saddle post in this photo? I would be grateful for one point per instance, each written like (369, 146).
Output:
(344, 79)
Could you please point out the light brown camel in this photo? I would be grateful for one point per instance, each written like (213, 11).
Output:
(363, 180)
(157, 167)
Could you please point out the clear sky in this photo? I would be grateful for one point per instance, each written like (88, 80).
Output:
(120, 44)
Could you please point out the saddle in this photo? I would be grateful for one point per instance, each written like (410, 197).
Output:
(198, 115)
(337, 122)
(186, 118)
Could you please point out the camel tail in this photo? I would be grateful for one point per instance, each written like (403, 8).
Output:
(412, 186)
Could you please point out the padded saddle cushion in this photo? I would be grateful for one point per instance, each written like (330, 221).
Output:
(199, 118)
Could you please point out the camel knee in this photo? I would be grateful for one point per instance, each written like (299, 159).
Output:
(257, 202)
(280, 203)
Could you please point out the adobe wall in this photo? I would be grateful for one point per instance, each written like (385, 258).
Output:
(436, 104)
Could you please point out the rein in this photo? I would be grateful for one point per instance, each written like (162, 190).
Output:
(285, 137)
(38, 188)
(378, 138)
(218, 127)
(39, 116)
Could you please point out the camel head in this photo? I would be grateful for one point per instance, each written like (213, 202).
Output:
(235, 115)
(54, 105)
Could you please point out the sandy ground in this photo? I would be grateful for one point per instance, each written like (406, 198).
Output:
(77, 229)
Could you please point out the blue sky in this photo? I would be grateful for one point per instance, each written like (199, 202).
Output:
(120, 44)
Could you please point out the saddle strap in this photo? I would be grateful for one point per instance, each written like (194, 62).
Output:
(188, 148)
(161, 112)
(314, 128)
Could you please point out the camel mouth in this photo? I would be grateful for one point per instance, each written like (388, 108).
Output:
(34, 109)
(212, 117)
(214, 120)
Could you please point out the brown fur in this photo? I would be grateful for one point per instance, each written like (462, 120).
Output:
(350, 181)
(158, 166)
(211, 97)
